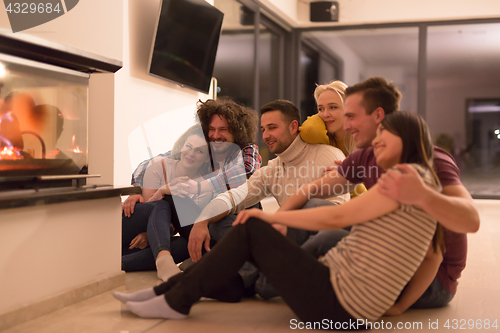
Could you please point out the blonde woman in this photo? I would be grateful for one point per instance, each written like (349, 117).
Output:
(327, 126)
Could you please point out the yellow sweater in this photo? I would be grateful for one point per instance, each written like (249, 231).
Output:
(313, 130)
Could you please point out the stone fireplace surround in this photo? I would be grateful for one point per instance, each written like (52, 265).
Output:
(60, 244)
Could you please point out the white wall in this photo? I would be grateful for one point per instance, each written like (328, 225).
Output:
(286, 8)
(50, 249)
(92, 25)
(164, 109)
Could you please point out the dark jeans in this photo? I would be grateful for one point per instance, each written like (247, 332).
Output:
(319, 244)
(302, 281)
(155, 219)
(436, 296)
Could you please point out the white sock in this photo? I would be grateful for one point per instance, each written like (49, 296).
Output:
(155, 308)
(138, 296)
(166, 267)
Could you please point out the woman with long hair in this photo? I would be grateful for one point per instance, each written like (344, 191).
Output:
(151, 222)
(358, 280)
(327, 126)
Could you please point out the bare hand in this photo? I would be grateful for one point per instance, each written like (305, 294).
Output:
(199, 235)
(407, 187)
(140, 241)
(244, 215)
(183, 187)
(158, 195)
(333, 167)
(129, 204)
(179, 180)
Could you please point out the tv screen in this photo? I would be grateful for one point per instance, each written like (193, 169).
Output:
(185, 44)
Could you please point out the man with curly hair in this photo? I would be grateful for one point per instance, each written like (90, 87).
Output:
(231, 130)
(224, 122)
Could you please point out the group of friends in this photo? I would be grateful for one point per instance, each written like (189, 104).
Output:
(372, 217)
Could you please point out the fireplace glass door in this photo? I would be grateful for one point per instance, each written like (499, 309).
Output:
(43, 120)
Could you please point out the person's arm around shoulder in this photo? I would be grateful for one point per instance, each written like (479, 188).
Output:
(453, 208)
(367, 207)
(323, 187)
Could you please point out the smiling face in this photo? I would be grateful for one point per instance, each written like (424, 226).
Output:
(331, 110)
(362, 126)
(194, 152)
(387, 148)
(276, 134)
(219, 135)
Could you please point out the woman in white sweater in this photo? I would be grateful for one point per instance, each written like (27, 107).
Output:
(357, 281)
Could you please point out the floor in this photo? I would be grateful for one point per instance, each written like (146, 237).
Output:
(476, 302)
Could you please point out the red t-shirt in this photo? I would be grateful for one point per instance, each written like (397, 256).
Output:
(361, 167)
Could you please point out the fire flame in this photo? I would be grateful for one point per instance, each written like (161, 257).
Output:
(76, 149)
(10, 153)
(53, 153)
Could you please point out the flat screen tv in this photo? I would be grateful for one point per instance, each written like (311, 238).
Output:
(185, 43)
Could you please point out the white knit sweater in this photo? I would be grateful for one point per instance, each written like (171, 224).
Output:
(300, 164)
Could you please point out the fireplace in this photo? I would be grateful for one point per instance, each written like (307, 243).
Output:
(47, 211)
(44, 90)
(43, 121)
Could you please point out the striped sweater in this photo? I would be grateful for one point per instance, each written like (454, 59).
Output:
(370, 267)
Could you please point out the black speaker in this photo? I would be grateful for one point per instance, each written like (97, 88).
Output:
(324, 11)
(247, 16)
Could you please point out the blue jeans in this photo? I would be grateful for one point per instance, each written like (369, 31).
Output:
(144, 260)
(319, 244)
(436, 296)
(221, 227)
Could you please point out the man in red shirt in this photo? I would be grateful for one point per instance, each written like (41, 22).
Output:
(435, 282)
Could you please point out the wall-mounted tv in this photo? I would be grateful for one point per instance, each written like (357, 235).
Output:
(185, 43)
